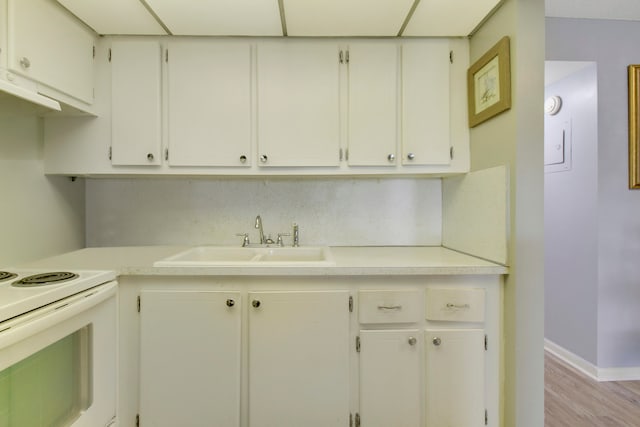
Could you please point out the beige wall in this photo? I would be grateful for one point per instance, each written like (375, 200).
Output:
(515, 139)
(40, 216)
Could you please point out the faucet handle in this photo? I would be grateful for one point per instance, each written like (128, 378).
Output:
(245, 240)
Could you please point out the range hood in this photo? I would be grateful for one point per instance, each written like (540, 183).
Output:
(10, 89)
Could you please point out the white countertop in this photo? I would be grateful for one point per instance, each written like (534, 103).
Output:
(349, 261)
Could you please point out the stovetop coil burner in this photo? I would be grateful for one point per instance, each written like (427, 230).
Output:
(44, 279)
(5, 275)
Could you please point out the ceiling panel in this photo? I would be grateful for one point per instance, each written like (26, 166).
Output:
(594, 9)
(107, 17)
(448, 17)
(219, 17)
(345, 17)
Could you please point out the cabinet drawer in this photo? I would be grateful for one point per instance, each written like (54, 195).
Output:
(455, 305)
(389, 306)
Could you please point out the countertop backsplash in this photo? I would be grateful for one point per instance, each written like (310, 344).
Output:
(336, 211)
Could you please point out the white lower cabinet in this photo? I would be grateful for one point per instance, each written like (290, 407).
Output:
(309, 351)
(455, 377)
(390, 381)
(298, 359)
(190, 358)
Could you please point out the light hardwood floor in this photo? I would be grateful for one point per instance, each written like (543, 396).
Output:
(572, 399)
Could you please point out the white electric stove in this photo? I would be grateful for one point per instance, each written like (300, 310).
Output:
(22, 290)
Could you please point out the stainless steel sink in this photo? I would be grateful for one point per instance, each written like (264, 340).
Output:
(212, 256)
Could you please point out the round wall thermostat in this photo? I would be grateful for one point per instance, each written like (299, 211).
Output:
(552, 105)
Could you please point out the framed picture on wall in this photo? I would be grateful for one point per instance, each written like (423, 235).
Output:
(634, 123)
(489, 84)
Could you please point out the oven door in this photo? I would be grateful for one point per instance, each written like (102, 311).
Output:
(58, 363)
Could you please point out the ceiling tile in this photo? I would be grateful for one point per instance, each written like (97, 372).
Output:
(448, 18)
(628, 10)
(106, 17)
(219, 17)
(345, 17)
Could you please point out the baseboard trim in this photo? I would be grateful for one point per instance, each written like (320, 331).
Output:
(589, 369)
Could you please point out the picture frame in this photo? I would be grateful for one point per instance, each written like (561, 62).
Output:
(634, 126)
(489, 83)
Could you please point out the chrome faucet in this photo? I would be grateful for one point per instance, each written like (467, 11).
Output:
(259, 227)
(296, 235)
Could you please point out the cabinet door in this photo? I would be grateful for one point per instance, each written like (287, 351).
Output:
(390, 391)
(373, 105)
(455, 377)
(48, 45)
(135, 103)
(298, 104)
(209, 104)
(190, 358)
(298, 359)
(425, 103)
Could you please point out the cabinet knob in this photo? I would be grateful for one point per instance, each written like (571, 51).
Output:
(391, 157)
(437, 341)
(24, 62)
(412, 340)
(230, 303)
(263, 158)
(150, 157)
(243, 159)
(255, 303)
(411, 156)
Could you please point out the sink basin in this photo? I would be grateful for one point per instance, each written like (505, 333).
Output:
(212, 256)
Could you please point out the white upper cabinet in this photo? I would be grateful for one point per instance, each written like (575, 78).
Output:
(209, 104)
(373, 102)
(298, 104)
(136, 103)
(48, 45)
(426, 103)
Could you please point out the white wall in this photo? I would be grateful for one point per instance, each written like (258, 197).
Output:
(40, 216)
(514, 139)
(571, 218)
(613, 45)
(329, 211)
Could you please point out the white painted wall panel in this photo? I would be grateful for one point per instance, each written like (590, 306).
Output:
(475, 212)
(41, 216)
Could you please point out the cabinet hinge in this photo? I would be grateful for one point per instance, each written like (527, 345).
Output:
(139, 303)
(350, 304)
(110, 152)
(346, 57)
(346, 154)
(166, 154)
(340, 154)
(486, 417)
(94, 52)
(451, 153)
(451, 56)
(137, 420)
(357, 420)
(109, 54)
(486, 342)
(357, 349)
(166, 55)
(341, 57)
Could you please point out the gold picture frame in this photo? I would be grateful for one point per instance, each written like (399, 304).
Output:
(634, 124)
(489, 84)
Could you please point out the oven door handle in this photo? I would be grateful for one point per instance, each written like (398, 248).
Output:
(27, 325)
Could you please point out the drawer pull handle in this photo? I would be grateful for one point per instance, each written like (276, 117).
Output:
(389, 307)
(458, 306)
